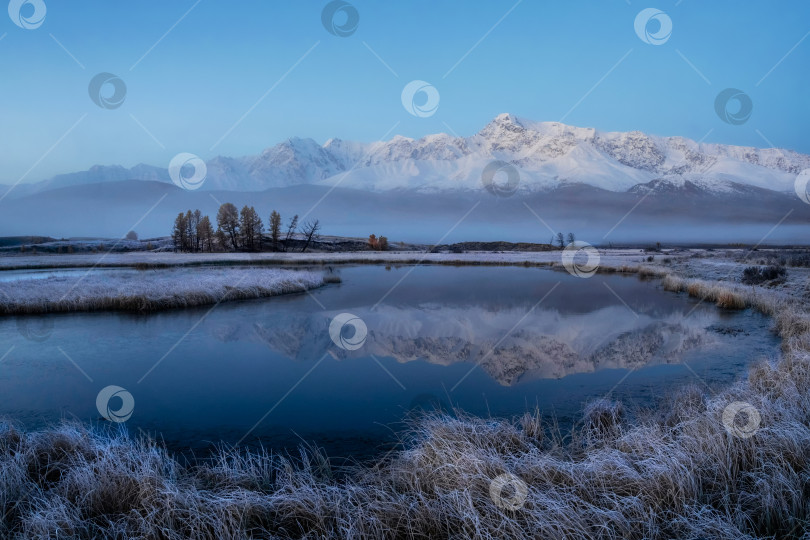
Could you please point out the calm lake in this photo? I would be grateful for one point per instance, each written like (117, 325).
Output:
(489, 340)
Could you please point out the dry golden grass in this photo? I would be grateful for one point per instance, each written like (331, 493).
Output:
(673, 283)
(652, 271)
(696, 289)
(725, 296)
(728, 299)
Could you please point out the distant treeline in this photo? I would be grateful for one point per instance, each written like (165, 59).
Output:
(239, 231)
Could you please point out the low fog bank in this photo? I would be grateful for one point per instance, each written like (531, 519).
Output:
(111, 210)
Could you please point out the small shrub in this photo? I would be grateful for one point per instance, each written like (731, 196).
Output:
(799, 260)
(754, 275)
(377, 244)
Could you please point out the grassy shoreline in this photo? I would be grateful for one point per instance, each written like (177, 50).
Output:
(148, 260)
(679, 471)
(145, 293)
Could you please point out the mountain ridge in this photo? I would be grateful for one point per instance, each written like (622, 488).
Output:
(547, 155)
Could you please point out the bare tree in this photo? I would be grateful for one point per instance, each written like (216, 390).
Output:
(192, 223)
(205, 234)
(290, 231)
(275, 228)
(560, 240)
(246, 229)
(191, 231)
(251, 228)
(222, 240)
(179, 232)
(310, 231)
(228, 223)
(196, 217)
(131, 235)
(571, 238)
(372, 241)
(258, 229)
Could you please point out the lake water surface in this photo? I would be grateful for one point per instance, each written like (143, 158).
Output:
(489, 340)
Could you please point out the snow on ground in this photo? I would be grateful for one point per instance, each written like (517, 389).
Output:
(134, 290)
(724, 265)
(608, 257)
(727, 266)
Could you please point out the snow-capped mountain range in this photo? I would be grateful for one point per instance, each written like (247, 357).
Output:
(606, 187)
(548, 155)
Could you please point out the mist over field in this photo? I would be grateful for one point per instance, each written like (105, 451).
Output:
(598, 216)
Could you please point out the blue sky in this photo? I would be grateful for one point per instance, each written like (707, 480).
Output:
(542, 61)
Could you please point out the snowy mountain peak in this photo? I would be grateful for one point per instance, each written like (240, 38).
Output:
(500, 125)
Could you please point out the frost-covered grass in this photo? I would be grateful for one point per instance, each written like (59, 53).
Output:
(678, 471)
(150, 259)
(727, 296)
(152, 290)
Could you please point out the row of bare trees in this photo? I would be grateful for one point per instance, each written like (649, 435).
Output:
(193, 232)
(238, 231)
(560, 240)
